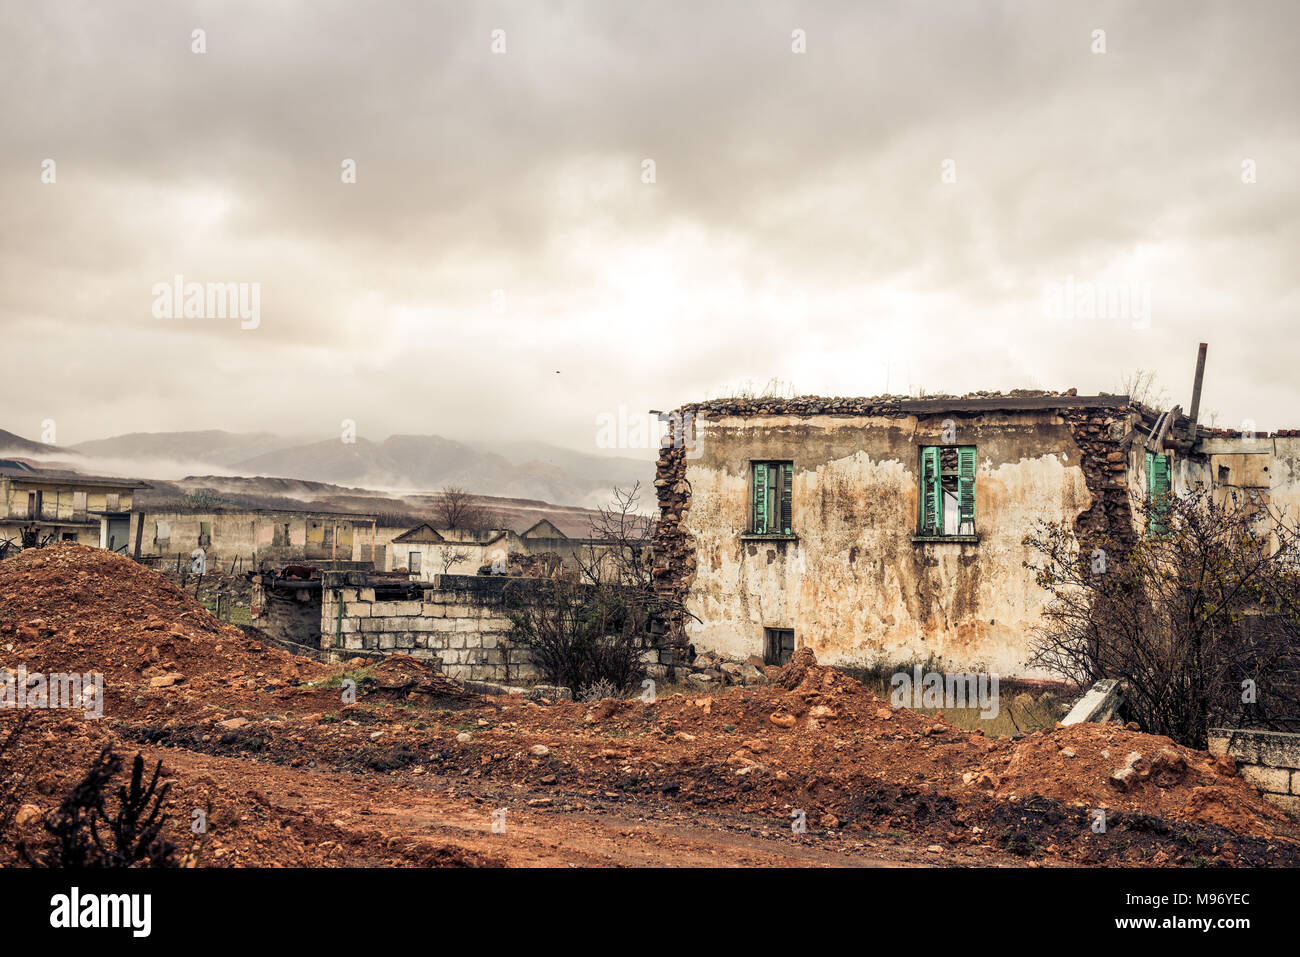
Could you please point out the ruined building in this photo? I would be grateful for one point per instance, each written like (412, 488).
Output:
(882, 531)
(66, 506)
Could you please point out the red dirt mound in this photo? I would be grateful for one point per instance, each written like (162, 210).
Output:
(816, 738)
(74, 608)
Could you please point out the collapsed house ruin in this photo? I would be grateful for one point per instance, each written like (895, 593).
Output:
(878, 531)
(454, 622)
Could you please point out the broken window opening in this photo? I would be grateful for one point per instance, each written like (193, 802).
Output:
(413, 562)
(205, 534)
(773, 499)
(778, 645)
(947, 497)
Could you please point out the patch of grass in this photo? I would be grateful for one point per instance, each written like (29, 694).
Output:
(1018, 843)
(235, 614)
(1017, 711)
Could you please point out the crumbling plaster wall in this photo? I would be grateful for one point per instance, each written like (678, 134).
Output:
(245, 533)
(1264, 468)
(1284, 473)
(854, 586)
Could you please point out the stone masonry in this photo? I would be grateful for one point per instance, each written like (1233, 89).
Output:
(456, 622)
(1270, 760)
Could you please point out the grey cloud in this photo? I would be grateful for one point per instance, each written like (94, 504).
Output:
(798, 228)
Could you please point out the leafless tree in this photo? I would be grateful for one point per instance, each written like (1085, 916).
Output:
(449, 555)
(618, 550)
(1199, 617)
(1141, 386)
(457, 508)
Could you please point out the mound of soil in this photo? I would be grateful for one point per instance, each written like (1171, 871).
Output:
(228, 715)
(75, 608)
(818, 740)
(173, 673)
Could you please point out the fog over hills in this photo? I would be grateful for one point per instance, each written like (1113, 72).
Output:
(517, 470)
(16, 445)
(211, 447)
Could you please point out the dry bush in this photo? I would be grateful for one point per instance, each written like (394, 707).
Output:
(82, 832)
(1200, 617)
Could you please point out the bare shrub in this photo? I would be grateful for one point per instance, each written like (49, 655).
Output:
(82, 833)
(449, 556)
(598, 691)
(580, 635)
(1200, 618)
(1142, 386)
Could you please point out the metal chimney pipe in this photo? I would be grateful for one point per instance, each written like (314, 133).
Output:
(1196, 383)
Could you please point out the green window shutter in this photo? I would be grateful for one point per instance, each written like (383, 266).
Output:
(931, 492)
(1151, 494)
(1158, 489)
(787, 497)
(966, 484)
(1162, 475)
(760, 498)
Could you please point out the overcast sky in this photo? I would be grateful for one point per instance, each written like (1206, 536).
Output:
(897, 208)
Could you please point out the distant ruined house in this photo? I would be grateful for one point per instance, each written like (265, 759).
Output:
(425, 551)
(883, 531)
(273, 535)
(62, 505)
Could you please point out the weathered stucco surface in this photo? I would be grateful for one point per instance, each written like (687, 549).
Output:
(854, 586)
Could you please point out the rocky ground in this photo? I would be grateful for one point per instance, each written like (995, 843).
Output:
(417, 771)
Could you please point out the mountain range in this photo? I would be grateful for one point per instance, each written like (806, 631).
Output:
(517, 470)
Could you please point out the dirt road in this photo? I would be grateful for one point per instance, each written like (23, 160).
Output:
(440, 820)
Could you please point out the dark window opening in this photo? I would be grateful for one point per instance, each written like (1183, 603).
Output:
(773, 500)
(947, 496)
(413, 562)
(778, 645)
(205, 534)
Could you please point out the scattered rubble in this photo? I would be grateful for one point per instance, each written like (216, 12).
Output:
(241, 718)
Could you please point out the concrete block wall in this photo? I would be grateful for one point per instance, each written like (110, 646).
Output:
(1270, 760)
(455, 624)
